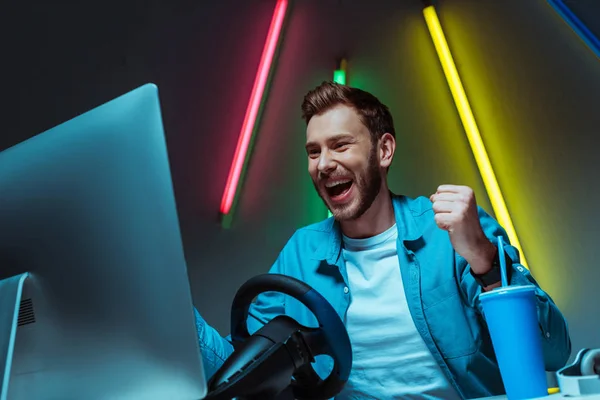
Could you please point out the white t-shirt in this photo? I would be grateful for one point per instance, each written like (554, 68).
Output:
(390, 358)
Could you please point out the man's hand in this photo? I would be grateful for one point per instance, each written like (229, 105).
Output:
(455, 211)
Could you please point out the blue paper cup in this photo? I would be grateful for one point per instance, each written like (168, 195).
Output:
(511, 316)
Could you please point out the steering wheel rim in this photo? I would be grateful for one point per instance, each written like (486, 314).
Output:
(336, 343)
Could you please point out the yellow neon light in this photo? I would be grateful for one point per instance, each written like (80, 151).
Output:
(470, 126)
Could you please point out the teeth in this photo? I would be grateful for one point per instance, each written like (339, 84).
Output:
(338, 182)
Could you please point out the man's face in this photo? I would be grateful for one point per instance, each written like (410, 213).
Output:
(343, 162)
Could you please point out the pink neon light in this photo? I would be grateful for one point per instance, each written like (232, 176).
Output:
(251, 112)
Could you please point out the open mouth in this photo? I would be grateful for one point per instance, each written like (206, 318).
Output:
(338, 189)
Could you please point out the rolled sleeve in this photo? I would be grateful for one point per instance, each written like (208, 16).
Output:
(556, 342)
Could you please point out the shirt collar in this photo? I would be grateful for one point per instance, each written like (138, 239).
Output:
(408, 231)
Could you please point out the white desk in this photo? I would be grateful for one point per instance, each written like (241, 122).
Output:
(552, 396)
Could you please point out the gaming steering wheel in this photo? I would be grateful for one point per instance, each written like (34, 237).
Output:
(276, 360)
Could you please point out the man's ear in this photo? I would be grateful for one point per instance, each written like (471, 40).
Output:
(387, 148)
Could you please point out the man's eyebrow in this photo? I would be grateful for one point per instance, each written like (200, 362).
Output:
(340, 137)
(332, 139)
(310, 144)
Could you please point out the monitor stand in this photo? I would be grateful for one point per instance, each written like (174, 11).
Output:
(10, 302)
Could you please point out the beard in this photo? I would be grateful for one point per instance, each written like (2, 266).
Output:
(367, 184)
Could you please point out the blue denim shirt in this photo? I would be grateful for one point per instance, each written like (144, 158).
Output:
(441, 293)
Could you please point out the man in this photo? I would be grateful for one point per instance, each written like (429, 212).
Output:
(403, 274)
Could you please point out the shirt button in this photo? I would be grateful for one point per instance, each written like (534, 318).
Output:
(520, 269)
(346, 290)
(548, 334)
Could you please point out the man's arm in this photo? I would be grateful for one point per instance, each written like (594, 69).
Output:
(215, 349)
(556, 343)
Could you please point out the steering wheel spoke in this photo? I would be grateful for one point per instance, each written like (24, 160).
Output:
(316, 341)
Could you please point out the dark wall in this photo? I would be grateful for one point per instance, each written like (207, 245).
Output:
(533, 86)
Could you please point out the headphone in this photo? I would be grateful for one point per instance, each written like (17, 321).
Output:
(582, 377)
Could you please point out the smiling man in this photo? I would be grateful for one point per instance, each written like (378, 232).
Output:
(403, 274)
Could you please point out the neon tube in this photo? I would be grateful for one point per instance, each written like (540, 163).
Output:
(575, 23)
(339, 75)
(250, 118)
(471, 129)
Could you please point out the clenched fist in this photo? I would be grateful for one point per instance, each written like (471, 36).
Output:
(455, 211)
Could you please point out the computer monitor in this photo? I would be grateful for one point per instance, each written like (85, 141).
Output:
(88, 209)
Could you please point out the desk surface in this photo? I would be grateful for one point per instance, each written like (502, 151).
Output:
(552, 397)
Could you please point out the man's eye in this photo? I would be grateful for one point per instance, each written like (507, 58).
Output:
(340, 145)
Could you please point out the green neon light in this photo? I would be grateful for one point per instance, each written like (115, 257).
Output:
(339, 76)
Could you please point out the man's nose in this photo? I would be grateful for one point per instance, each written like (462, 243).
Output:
(326, 163)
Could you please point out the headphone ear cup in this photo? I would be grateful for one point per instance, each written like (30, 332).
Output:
(590, 363)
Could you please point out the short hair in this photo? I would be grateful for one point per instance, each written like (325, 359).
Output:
(374, 115)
